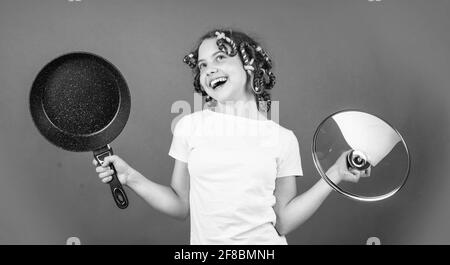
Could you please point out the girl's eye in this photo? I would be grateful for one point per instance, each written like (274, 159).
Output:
(220, 57)
(201, 66)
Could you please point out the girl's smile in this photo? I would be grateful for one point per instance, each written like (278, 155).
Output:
(218, 82)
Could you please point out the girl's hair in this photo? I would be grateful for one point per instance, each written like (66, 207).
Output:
(254, 59)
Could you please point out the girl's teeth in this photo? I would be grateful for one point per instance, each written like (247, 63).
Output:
(215, 81)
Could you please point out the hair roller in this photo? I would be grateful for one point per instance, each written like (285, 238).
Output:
(247, 59)
(272, 80)
(190, 60)
(265, 56)
(258, 81)
(222, 39)
(243, 47)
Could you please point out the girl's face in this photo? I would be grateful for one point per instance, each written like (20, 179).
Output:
(221, 76)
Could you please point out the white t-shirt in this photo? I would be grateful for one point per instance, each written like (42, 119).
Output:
(233, 162)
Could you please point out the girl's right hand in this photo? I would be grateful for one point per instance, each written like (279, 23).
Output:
(124, 171)
(340, 172)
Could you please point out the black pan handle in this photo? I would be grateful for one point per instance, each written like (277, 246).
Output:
(118, 193)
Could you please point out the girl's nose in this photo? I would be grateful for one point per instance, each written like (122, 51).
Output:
(211, 71)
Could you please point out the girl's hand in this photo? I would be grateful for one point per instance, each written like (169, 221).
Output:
(339, 172)
(124, 171)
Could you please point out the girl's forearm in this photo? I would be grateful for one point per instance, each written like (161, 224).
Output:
(302, 207)
(162, 198)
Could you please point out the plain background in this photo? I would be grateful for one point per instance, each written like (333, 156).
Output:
(390, 58)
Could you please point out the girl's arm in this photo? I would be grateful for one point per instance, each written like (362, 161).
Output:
(172, 200)
(292, 210)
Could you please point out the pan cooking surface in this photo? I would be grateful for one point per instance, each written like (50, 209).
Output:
(81, 96)
(80, 102)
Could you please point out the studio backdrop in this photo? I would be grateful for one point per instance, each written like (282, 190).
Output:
(390, 58)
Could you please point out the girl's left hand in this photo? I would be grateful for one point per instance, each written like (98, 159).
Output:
(339, 172)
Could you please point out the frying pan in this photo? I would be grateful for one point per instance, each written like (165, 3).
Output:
(81, 102)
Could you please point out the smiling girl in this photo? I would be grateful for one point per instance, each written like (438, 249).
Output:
(234, 169)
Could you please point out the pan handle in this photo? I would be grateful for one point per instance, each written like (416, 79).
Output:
(118, 193)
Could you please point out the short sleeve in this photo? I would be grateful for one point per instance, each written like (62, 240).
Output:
(289, 162)
(179, 148)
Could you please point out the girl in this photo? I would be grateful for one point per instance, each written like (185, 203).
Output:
(234, 171)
